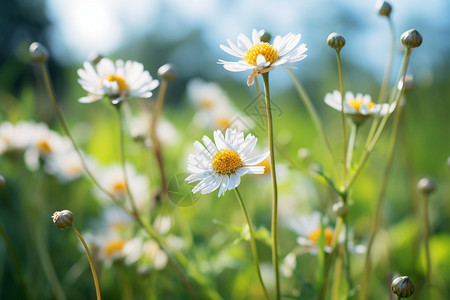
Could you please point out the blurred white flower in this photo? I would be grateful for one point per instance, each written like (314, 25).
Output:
(140, 129)
(112, 180)
(66, 166)
(207, 95)
(308, 228)
(221, 164)
(358, 107)
(261, 57)
(115, 80)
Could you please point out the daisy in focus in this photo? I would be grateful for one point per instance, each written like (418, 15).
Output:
(358, 107)
(115, 80)
(261, 57)
(222, 163)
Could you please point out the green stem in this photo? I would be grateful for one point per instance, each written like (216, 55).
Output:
(274, 184)
(261, 105)
(344, 131)
(379, 205)
(15, 259)
(388, 70)
(337, 279)
(62, 120)
(91, 262)
(123, 161)
(427, 239)
(252, 242)
(154, 136)
(315, 117)
(351, 145)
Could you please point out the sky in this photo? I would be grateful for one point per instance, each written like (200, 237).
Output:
(84, 26)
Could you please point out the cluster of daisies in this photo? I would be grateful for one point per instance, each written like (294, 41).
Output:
(113, 240)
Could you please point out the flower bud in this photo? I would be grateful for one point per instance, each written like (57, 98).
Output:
(426, 185)
(38, 53)
(402, 287)
(167, 72)
(340, 209)
(264, 36)
(383, 8)
(336, 41)
(63, 219)
(2, 181)
(411, 39)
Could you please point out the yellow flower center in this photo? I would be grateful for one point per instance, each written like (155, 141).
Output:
(223, 123)
(264, 49)
(119, 187)
(314, 236)
(44, 147)
(123, 86)
(226, 162)
(114, 246)
(207, 103)
(356, 104)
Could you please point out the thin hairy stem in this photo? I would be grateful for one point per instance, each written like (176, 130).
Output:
(154, 136)
(344, 131)
(426, 224)
(252, 242)
(91, 263)
(379, 205)
(388, 70)
(123, 161)
(314, 116)
(274, 185)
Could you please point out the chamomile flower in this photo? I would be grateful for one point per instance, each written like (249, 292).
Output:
(222, 163)
(207, 95)
(261, 57)
(115, 80)
(358, 107)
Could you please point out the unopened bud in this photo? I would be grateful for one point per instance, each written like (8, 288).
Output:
(2, 181)
(63, 219)
(426, 185)
(336, 41)
(340, 209)
(167, 72)
(264, 36)
(402, 287)
(411, 39)
(383, 8)
(38, 52)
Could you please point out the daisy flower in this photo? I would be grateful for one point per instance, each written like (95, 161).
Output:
(261, 57)
(222, 163)
(358, 107)
(207, 95)
(115, 80)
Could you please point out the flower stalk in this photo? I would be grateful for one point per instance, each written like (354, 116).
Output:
(91, 262)
(252, 242)
(274, 226)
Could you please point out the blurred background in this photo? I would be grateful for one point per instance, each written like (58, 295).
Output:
(188, 34)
